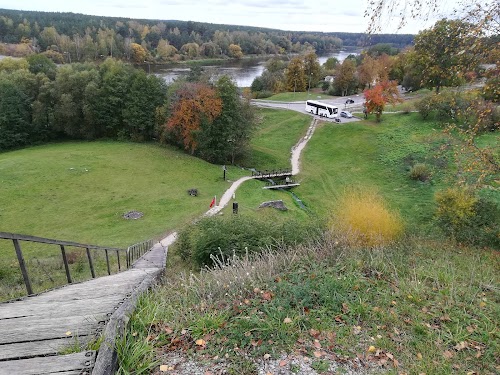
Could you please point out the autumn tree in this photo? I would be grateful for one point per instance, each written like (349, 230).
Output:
(191, 50)
(345, 80)
(138, 53)
(295, 76)
(385, 92)
(367, 71)
(194, 104)
(235, 51)
(226, 138)
(445, 53)
(312, 69)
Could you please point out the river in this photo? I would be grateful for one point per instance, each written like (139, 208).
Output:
(242, 71)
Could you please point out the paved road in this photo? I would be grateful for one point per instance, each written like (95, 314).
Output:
(300, 106)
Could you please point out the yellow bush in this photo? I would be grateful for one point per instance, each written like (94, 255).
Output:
(363, 219)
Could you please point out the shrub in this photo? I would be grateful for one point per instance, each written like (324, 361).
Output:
(238, 234)
(263, 94)
(420, 172)
(468, 218)
(425, 106)
(363, 219)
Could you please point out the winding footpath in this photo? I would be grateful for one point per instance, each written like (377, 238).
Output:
(226, 197)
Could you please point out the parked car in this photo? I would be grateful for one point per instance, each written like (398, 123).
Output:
(349, 101)
(345, 114)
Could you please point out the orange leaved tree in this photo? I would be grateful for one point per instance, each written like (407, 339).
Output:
(195, 103)
(382, 93)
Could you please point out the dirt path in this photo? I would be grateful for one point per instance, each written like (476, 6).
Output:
(226, 197)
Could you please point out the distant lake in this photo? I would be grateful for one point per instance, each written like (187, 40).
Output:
(242, 71)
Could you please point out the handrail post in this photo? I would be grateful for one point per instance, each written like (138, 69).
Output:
(91, 265)
(22, 265)
(118, 257)
(66, 266)
(107, 261)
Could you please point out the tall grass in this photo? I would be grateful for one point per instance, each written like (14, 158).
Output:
(424, 307)
(364, 219)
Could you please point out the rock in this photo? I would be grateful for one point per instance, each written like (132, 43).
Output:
(279, 205)
(133, 215)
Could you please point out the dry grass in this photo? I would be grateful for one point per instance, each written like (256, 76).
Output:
(363, 217)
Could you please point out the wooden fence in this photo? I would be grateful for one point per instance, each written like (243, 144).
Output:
(130, 255)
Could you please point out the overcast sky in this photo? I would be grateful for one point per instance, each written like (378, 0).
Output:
(296, 15)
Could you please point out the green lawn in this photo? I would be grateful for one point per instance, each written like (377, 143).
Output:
(366, 155)
(276, 134)
(299, 96)
(79, 191)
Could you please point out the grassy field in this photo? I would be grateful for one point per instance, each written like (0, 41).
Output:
(80, 191)
(377, 157)
(276, 134)
(300, 96)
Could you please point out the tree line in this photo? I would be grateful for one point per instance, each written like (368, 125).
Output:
(448, 54)
(40, 102)
(68, 37)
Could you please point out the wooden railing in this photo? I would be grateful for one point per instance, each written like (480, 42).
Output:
(136, 251)
(272, 173)
(131, 254)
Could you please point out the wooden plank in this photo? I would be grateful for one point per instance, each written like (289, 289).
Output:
(49, 365)
(40, 348)
(43, 329)
(286, 186)
(79, 307)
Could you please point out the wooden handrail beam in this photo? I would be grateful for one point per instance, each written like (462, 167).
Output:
(22, 237)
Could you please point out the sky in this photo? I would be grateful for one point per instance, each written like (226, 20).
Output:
(293, 15)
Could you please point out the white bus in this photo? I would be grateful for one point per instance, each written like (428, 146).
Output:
(322, 109)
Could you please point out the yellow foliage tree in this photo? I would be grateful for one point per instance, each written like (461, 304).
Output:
(138, 53)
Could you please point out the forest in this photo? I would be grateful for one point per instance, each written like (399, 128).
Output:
(67, 37)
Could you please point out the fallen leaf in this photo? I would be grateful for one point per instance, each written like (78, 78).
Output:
(314, 332)
(390, 356)
(478, 354)
(445, 318)
(317, 344)
(165, 368)
(419, 356)
(283, 363)
(317, 354)
(68, 333)
(470, 329)
(371, 349)
(482, 304)
(267, 296)
(447, 354)
(248, 334)
(461, 345)
(267, 356)
(168, 331)
(345, 308)
(356, 330)
(287, 320)
(200, 342)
